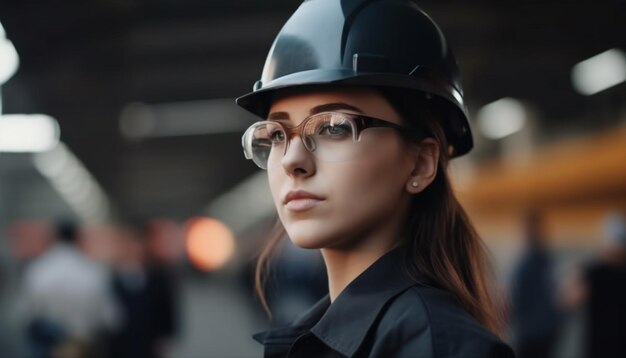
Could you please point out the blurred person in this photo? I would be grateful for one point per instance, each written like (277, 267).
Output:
(361, 110)
(25, 241)
(66, 301)
(165, 242)
(145, 296)
(28, 239)
(97, 242)
(535, 317)
(600, 289)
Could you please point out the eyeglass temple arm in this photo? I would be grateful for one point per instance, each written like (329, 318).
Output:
(364, 122)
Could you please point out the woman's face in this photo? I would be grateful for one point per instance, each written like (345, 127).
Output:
(325, 203)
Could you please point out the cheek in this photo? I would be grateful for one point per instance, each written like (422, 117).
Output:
(368, 189)
(276, 179)
(369, 184)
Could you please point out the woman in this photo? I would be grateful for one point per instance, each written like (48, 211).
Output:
(363, 109)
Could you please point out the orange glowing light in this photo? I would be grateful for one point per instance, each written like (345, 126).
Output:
(209, 243)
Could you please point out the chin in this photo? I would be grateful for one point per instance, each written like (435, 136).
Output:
(307, 234)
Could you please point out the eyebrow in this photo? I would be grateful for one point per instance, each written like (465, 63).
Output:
(333, 107)
(327, 107)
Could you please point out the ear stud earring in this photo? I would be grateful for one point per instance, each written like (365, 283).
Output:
(415, 184)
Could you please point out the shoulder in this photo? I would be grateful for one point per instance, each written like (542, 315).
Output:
(429, 320)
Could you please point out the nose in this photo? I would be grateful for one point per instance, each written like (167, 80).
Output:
(298, 161)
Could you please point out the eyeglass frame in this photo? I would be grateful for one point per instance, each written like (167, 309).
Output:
(361, 121)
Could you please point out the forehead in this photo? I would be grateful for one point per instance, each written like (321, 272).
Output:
(298, 103)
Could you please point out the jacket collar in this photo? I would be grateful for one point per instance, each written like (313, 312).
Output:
(344, 324)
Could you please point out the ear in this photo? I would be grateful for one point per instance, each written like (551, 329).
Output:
(425, 166)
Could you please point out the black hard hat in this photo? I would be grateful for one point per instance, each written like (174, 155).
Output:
(382, 43)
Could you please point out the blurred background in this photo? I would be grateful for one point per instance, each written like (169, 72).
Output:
(129, 214)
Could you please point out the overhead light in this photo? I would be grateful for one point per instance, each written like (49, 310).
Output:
(74, 183)
(501, 118)
(28, 133)
(599, 72)
(9, 60)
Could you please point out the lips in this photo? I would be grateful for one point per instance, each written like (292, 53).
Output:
(301, 200)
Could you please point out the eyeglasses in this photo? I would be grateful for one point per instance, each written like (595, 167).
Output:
(331, 136)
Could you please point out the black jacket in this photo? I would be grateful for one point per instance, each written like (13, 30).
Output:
(384, 314)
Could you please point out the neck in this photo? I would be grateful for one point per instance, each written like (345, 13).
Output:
(343, 265)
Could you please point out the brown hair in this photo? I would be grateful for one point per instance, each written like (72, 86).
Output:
(441, 243)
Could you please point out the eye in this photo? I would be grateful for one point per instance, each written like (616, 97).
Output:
(335, 130)
(276, 135)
